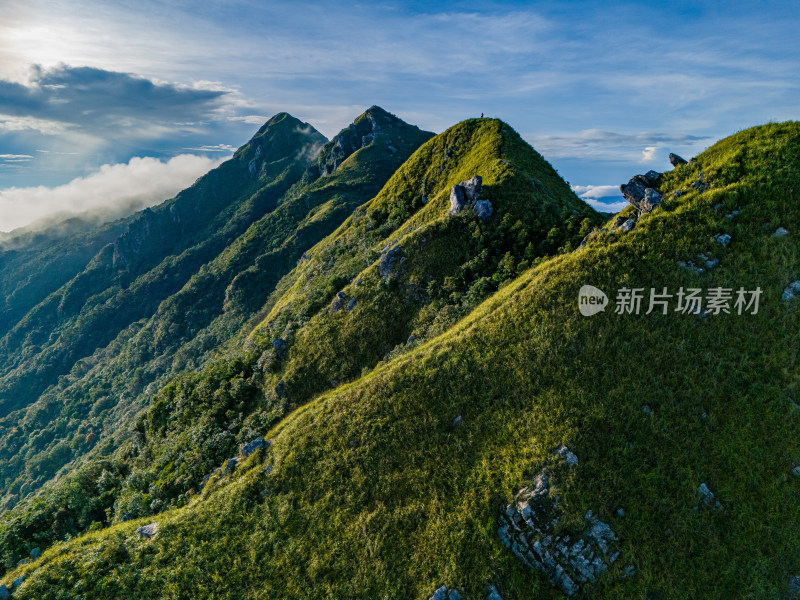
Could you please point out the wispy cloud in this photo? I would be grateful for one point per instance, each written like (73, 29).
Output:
(605, 198)
(609, 145)
(112, 189)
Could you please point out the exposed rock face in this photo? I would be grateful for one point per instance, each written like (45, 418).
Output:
(791, 290)
(354, 137)
(230, 465)
(338, 302)
(443, 594)
(256, 444)
(528, 529)
(676, 160)
(780, 232)
(723, 239)
(351, 305)
(707, 496)
(493, 594)
(467, 194)
(390, 257)
(148, 531)
(640, 193)
(4, 593)
(36, 553)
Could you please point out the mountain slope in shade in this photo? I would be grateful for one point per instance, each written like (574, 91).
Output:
(89, 411)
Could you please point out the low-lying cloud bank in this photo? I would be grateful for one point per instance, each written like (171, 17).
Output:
(604, 198)
(114, 190)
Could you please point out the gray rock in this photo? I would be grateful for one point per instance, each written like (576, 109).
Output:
(621, 513)
(569, 457)
(411, 339)
(690, 266)
(126, 517)
(796, 471)
(647, 410)
(440, 594)
(148, 531)
(707, 496)
(676, 160)
(281, 391)
(528, 528)
(732, 214)
(454, 595)
(456, 422)
(458, 200)
(794, 587)
(780, 232)
(651, 199)
(467, 193)
(473, 188)
(351, 305)
(619, 221)
(256, 444)
(630, 571)
(18, 581)
(711, 263)
(483, 209)
(338, 302)
(677, 193)
(4, 593)
(390, 257)
(493, 594)
(628, 225)
(36, 553)
(791, 290)
(640, 193)
(723, 239)
(652, 176)
(230, 465)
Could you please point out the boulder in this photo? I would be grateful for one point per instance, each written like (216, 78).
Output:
(18, 581)
(36, 553)
(390, 257)
(562, 451)
(780, 232)
(722, 239)
(707, 496)
(456, 422)
(281, 391)
(256, 444)
(458, 199)
(493, 594)
(467, 194)
(483, 209)
(351, 305)
(338, 302)
(148, 531)
(676, 160)
(651, 199)
(230, 465)
(440, 594)
(4, 593)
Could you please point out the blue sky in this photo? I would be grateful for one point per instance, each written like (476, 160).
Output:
(96, 97)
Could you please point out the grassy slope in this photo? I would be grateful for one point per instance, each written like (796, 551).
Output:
(372, 495)
(91, 410)
(198, 420)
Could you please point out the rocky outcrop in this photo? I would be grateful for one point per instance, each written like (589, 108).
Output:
(528, 528)
(355, 136)
(230, 465)
(676, 160)
(391, 256)
(707, 496)
(723, 239)
(640, 193)
(791, 291)
(780, 232)
(444, 594)
(148, 531)
(5, 594)
(338, 302)
(280, 347)
(254, 445)
(467, 195)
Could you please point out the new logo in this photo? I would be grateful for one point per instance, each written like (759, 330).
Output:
(591, 300)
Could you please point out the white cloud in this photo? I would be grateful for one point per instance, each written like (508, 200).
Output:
(113, 188)
(600, 197)
(649, 153)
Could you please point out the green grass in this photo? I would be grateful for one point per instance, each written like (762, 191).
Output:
(373, 495)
